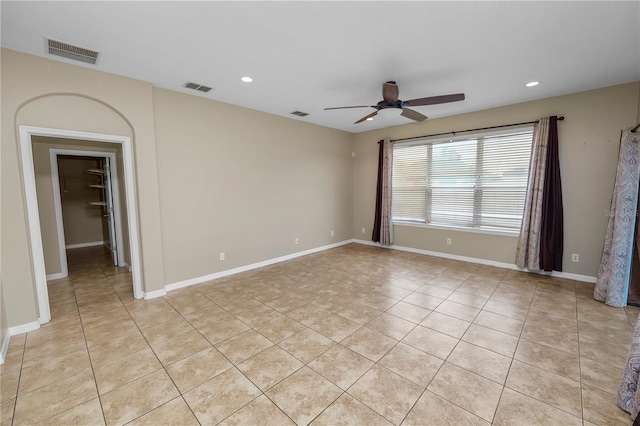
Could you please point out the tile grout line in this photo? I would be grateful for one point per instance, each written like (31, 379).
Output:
(15, 404)
(513, 357)
(163, 367)
(426, 389)
(452, 350)
(104, 416)
(543, 369)
(582, 413)
(86, 346)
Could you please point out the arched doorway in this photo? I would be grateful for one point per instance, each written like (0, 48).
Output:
(65, 105)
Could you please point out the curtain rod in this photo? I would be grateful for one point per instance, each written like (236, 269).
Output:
(473, 130)
(635, 128)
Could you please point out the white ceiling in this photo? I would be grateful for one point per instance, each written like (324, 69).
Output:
(310, 55)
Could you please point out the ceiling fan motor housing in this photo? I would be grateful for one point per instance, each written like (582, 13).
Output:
(387, 104)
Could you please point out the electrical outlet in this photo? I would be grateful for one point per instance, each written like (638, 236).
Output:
(575, 257)
(363, 231)
(448, 241)
(333, 233)
(221, 255)
(297, 240)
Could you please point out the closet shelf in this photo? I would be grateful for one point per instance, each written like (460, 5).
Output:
(100, 184)
(99, 172)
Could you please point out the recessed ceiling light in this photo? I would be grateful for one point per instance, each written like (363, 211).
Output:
(247, 79)
(370, 119)
(532, 83)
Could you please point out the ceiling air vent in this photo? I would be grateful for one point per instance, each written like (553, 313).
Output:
(299, 113)
(196, 86)
(69, 51)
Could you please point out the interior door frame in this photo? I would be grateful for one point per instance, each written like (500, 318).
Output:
(57, 201)
(35, 234)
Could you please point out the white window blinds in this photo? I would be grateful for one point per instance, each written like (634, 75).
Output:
(478, 181)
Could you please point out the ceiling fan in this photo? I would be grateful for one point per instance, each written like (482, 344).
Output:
(390, 104)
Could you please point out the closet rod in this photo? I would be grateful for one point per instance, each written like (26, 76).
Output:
(635, 128)
(470, 130)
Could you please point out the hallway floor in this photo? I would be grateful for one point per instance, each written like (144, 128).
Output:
(355, 335)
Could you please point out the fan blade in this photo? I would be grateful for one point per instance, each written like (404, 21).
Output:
(413, 115)
(367, 116)
(432, 100)
(390, 91)
(359, 106)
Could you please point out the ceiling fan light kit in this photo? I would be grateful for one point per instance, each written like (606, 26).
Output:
(390, 106)
(391, 112)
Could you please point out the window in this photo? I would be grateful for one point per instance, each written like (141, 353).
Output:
(476, 182)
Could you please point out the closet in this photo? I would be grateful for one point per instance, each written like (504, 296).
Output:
(87, 202)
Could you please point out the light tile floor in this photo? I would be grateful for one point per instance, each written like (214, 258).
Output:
(354, 335)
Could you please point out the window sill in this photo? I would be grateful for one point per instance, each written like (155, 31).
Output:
(458, 229)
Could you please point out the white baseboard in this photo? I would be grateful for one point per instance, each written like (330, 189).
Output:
(24, 328)
(80, 245)
(126, 265)
(5, 347)
(205, 278)
(56, 276)
(567, 275)
(14, 331)
(154, 294)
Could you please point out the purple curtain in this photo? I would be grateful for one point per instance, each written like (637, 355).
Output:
(552, 228)
(378, 214)
(382, 226)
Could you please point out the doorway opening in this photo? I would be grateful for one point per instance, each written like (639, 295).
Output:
(26, 136)
(86, 195)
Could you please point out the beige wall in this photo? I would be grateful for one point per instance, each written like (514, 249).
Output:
(245, 183)
(40, 92)
(589, 139)
(4, 323)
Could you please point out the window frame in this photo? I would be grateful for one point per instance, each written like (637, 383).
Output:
(477, 202)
